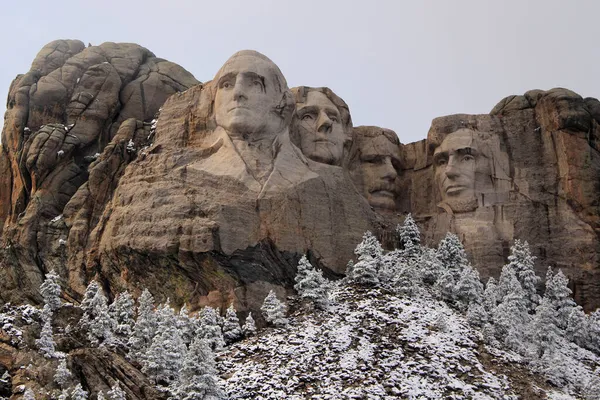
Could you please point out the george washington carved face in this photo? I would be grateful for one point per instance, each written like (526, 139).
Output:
(250, 89)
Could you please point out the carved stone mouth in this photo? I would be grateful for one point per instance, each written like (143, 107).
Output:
(454, 189)
(383, 193)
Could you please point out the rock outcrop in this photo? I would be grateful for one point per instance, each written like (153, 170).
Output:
(61, 116)
(529, 171)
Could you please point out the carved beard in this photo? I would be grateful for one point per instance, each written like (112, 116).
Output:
(459, 205)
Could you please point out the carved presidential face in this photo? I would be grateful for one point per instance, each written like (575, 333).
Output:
(247, 96)
(319, 125)
(377, 172)
(461, 169)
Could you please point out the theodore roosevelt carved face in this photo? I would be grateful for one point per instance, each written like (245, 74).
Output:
(374, 163)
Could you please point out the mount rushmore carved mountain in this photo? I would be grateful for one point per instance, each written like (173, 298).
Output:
(119, 166)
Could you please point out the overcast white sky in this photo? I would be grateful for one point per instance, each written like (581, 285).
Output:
(398, 64)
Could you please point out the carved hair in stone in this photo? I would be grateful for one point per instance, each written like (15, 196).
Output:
(470, 169)
(321, 126)
(252, 99)
(374, 164)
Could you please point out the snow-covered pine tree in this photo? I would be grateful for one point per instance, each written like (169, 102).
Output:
(469, 288)
(594, 331)
(116, 393)
(444, 287)
(64, 395)
(121, 312)
(543, 331)
(451, 254)
(560, 296)
(490, 296)
(144, 327)
(78, 393)
(97, 321)
(198, 376)
(231, 327)
(369, 252)
(274, 310)
(186, 325)
(523, 263)
(88, 296)
(430, 266)
(311, 285)
(100, 396)
(165, 355)
(46, 343)
(476, 314)
(511, 315)
(369, 247)
(578, 330)
(62, 374)
(249, 327)
(28, 395)
(210, 330)
(51, 290)
(410, 237)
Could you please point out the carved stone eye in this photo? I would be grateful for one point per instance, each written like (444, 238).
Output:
(307, 117)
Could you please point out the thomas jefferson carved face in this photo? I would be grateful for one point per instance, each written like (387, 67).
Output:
(461, 169)
(374, 170)
(249, 90)
(320, 128)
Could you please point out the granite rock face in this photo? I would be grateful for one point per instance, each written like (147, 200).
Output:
(61, 116)
(530, 170)
(214, 199)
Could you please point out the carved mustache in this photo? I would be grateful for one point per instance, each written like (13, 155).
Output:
(388, 187)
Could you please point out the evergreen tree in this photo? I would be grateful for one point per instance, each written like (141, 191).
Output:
(274, 310)
(543, 330)
(97, 320)
(451, 255)
(51, 291)
(210, 330)
(560, 296)
(369, 247)
(88, 296)
(476, 314)
(186, 325)
(231, 328)
(100, 396)
(64, 395)
(311, 285)
(469, 288)
(121, 312)
(511, 315)
(490, 296)
(404, 280)
(62, 374)
(28, 395)
(444, 287)
(369, 253)
(46, 342)
(594, 331)
(430, 266)
(410, 237)
(578, 327)
(116, 393)
(197, 380)
(522, 262)
(78, 393)
(164, 356)
(144, 328)
(249, 327)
